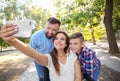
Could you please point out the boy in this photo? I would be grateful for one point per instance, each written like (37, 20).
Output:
(90, 64)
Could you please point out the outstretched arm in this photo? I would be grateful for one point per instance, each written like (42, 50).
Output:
(6, 34)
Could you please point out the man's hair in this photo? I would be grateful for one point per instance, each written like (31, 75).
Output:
(77, 35)
(54, 20)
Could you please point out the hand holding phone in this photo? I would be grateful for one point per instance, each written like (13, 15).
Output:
(24, 27)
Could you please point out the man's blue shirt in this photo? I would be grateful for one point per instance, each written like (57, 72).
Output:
(42, 44)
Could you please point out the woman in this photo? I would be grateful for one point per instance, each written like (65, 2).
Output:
(62, 65)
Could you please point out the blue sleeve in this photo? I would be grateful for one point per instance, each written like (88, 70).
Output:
(34, 40)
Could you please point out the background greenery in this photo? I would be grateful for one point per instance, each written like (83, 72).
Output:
(84, 16)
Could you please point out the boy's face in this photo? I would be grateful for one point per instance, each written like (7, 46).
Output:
(76, 45)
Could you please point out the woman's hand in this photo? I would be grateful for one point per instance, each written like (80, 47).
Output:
(7, 31)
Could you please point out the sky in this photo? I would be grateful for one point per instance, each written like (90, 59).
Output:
(47, 4)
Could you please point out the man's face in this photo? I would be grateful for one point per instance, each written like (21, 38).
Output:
(51, 29)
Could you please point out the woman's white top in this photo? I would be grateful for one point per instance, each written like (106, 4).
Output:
(67, 70)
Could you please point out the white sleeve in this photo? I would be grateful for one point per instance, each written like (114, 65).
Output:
(73, 55)
(49, 60)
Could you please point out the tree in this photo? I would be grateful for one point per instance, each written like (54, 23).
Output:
(17, 10)
(77, 14)
(113, 48)
(116, 15)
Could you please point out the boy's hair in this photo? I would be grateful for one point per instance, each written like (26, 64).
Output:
(77, 35)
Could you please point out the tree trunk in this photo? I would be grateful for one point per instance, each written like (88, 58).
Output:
(93, 37)
(113, 47)
(1, 49)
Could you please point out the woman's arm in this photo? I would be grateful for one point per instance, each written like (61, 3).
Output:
(6, 34)
(27, 50)
(77, 71)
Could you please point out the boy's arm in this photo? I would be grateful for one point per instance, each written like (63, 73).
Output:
(90, 61)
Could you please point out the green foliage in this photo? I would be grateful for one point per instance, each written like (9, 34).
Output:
(25, 40)
(22, 10)
(82, 16)
(116, 23)
(98, 32)
(3, 44)
(116, 15)
(39, 15)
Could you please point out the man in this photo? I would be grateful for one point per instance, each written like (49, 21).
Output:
(42, 41)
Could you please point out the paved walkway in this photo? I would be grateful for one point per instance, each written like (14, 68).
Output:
(112, 62)
(29, 75)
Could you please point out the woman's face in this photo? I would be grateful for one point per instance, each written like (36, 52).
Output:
(60, 41)
(75, 45)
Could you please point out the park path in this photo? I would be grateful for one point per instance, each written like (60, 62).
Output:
(106, 59)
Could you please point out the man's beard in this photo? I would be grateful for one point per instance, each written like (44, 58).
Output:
(49, 37)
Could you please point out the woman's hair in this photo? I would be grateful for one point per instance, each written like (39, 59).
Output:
(77, 35)
(54, 53)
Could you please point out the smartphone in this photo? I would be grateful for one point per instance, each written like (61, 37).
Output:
(24, 27)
